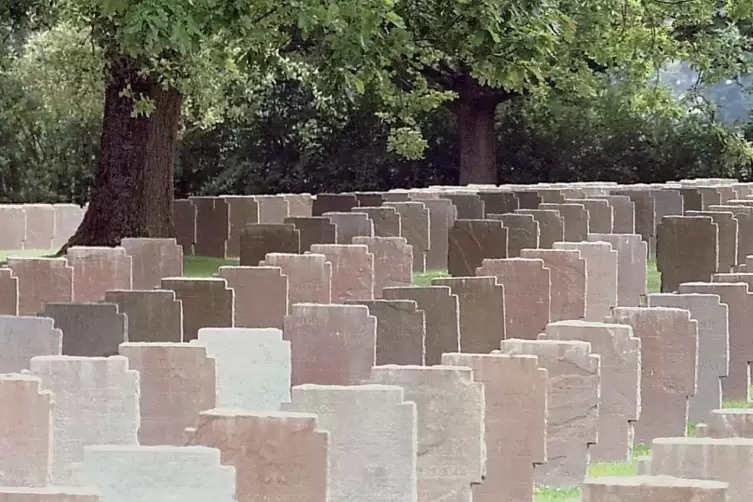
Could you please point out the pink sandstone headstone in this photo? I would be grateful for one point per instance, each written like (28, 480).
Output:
(624, 213)
(551, 225)
(41, 281)
(309, 276)
(299, 205)
(575, 217)
(632, 263)
(393, 261)
(207, 303)
(739, 299)
(568, 279)
(261, 295)
(352, 270)
(40, 226)
(573, 398)
(8, 292)
(97, 270)
(620, 402)
(330, 344)
(601, 276)
(515, 433)
(176, 382)
(153, 259)
(386, 220)
(25, 422)
(450, 407)
(49, 494)
(416, 228)
(277, 456)
(659, 488)
(13, 223)
(527, 285)
(600, 214)
(67, 219)
(350, 225)
(713, 346)
(669, 342)
(22, 338)
(273, 209)
(442, 215)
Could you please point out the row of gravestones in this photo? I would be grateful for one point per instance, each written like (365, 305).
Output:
(471, 294)
(37, 226)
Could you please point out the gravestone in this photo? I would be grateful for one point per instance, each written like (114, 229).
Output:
(386, 220)
(299, 204)
(450, 409)
(632, 263)
(97, 270)
(276, 455)
(212, 226)
(573, 399)
(601, 276)
(568, 281)
(314, 230)
(600, 214)
(350, 225)
(89, 329)
(170, 396)
(744, 217)
(469, 205)
(641, 488)
(441, 314)
(372, 439)
(472, 241)
(669, 341)
(414, 217)
(515, 435)
(152, 316)
(393, 261)
(727, 236)
(620, 403)
(184, 219)
(527, 286)
(686, 250)
(522, 232)
(645, 212)
(273, 209)
(442, 215)
(330, 202)
(244, 210)
(713, 347)
(551, 226)
(258, 240)
(260, 293)
(575, 218)
(372, 199)
(623, 210)
(22, 338)
(9, 295)
(482, 311)
(40, 226)
(207, 302)
(330, 344)
(309, 276)
(499, 202)
(68, 217)
(401, 331)
(13, 223)
(528, 199)
(153, 259)
(352, 270)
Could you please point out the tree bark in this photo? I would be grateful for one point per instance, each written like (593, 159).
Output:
(132, 194)
(474, 108)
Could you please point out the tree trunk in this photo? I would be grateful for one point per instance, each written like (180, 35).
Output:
(478, 140)
(132, 194)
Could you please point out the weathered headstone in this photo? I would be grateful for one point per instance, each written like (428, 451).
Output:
(153, 259)
(393, 261)
(575, 217)
(207, 302)
(642, 488)
(551, 226)
(496, 202)
(13, 223)
(686, 250)
(329, 202)
(258, 240)
(601, 276)
(727, 237)
(632, 262)
(40, 226)
(244, 210)
(600, 214)
(314, 230)
(184, 218)
(350, 225)
(153, 316)
(442, 215)
(623, 213)
(97, 270)
(568, 281)
(330, 344)
(401, 331)
(9, 294)
(89, 329)
(472, 241)
(352, 270)
(522, 231)
(261, 295)
(386, 220)
(309, 276)
(212, 226)
(414, 217)
(469, 205)
(299, 204)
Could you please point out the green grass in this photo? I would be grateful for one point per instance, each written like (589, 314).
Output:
(203, 266)
(654, 278)
(26, 253)
(424, 278)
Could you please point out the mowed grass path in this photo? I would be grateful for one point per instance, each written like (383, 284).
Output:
(199, 266)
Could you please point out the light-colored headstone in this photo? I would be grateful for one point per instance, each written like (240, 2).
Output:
(22, 338)
(386, 220)
(153, 259)
(309, 276)
(40, 226)
(49, 494)
(13, 223)
(620, 403)
(575, 217)
(352, 270)
(727, 237)
(416, 229)
(572, 406)
(551, 226)
(713, 346)
(442, 215)
(659, 488)
(393, 261)
(632, 263)
(97, 270)
(41, 281)
(252, 367)
(244, 210)
(515, 435)
(600, 214)
(623, 210)
(67, 219)
(96, 401)
(568, 281)
(299, 204)
(373, 439)
(727, 423)
(601, 276)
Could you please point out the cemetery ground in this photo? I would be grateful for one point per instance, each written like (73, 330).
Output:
(199, 266)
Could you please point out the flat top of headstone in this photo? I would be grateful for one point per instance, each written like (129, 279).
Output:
(50, 490)
(235, 412)
(349, 388)
(657, 481)
(588, 324)
(706, 441)
(19, 377)
(733, 411)
(150, 450)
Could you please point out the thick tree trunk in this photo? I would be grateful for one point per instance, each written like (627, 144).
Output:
(133, 187)
(474, 108)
